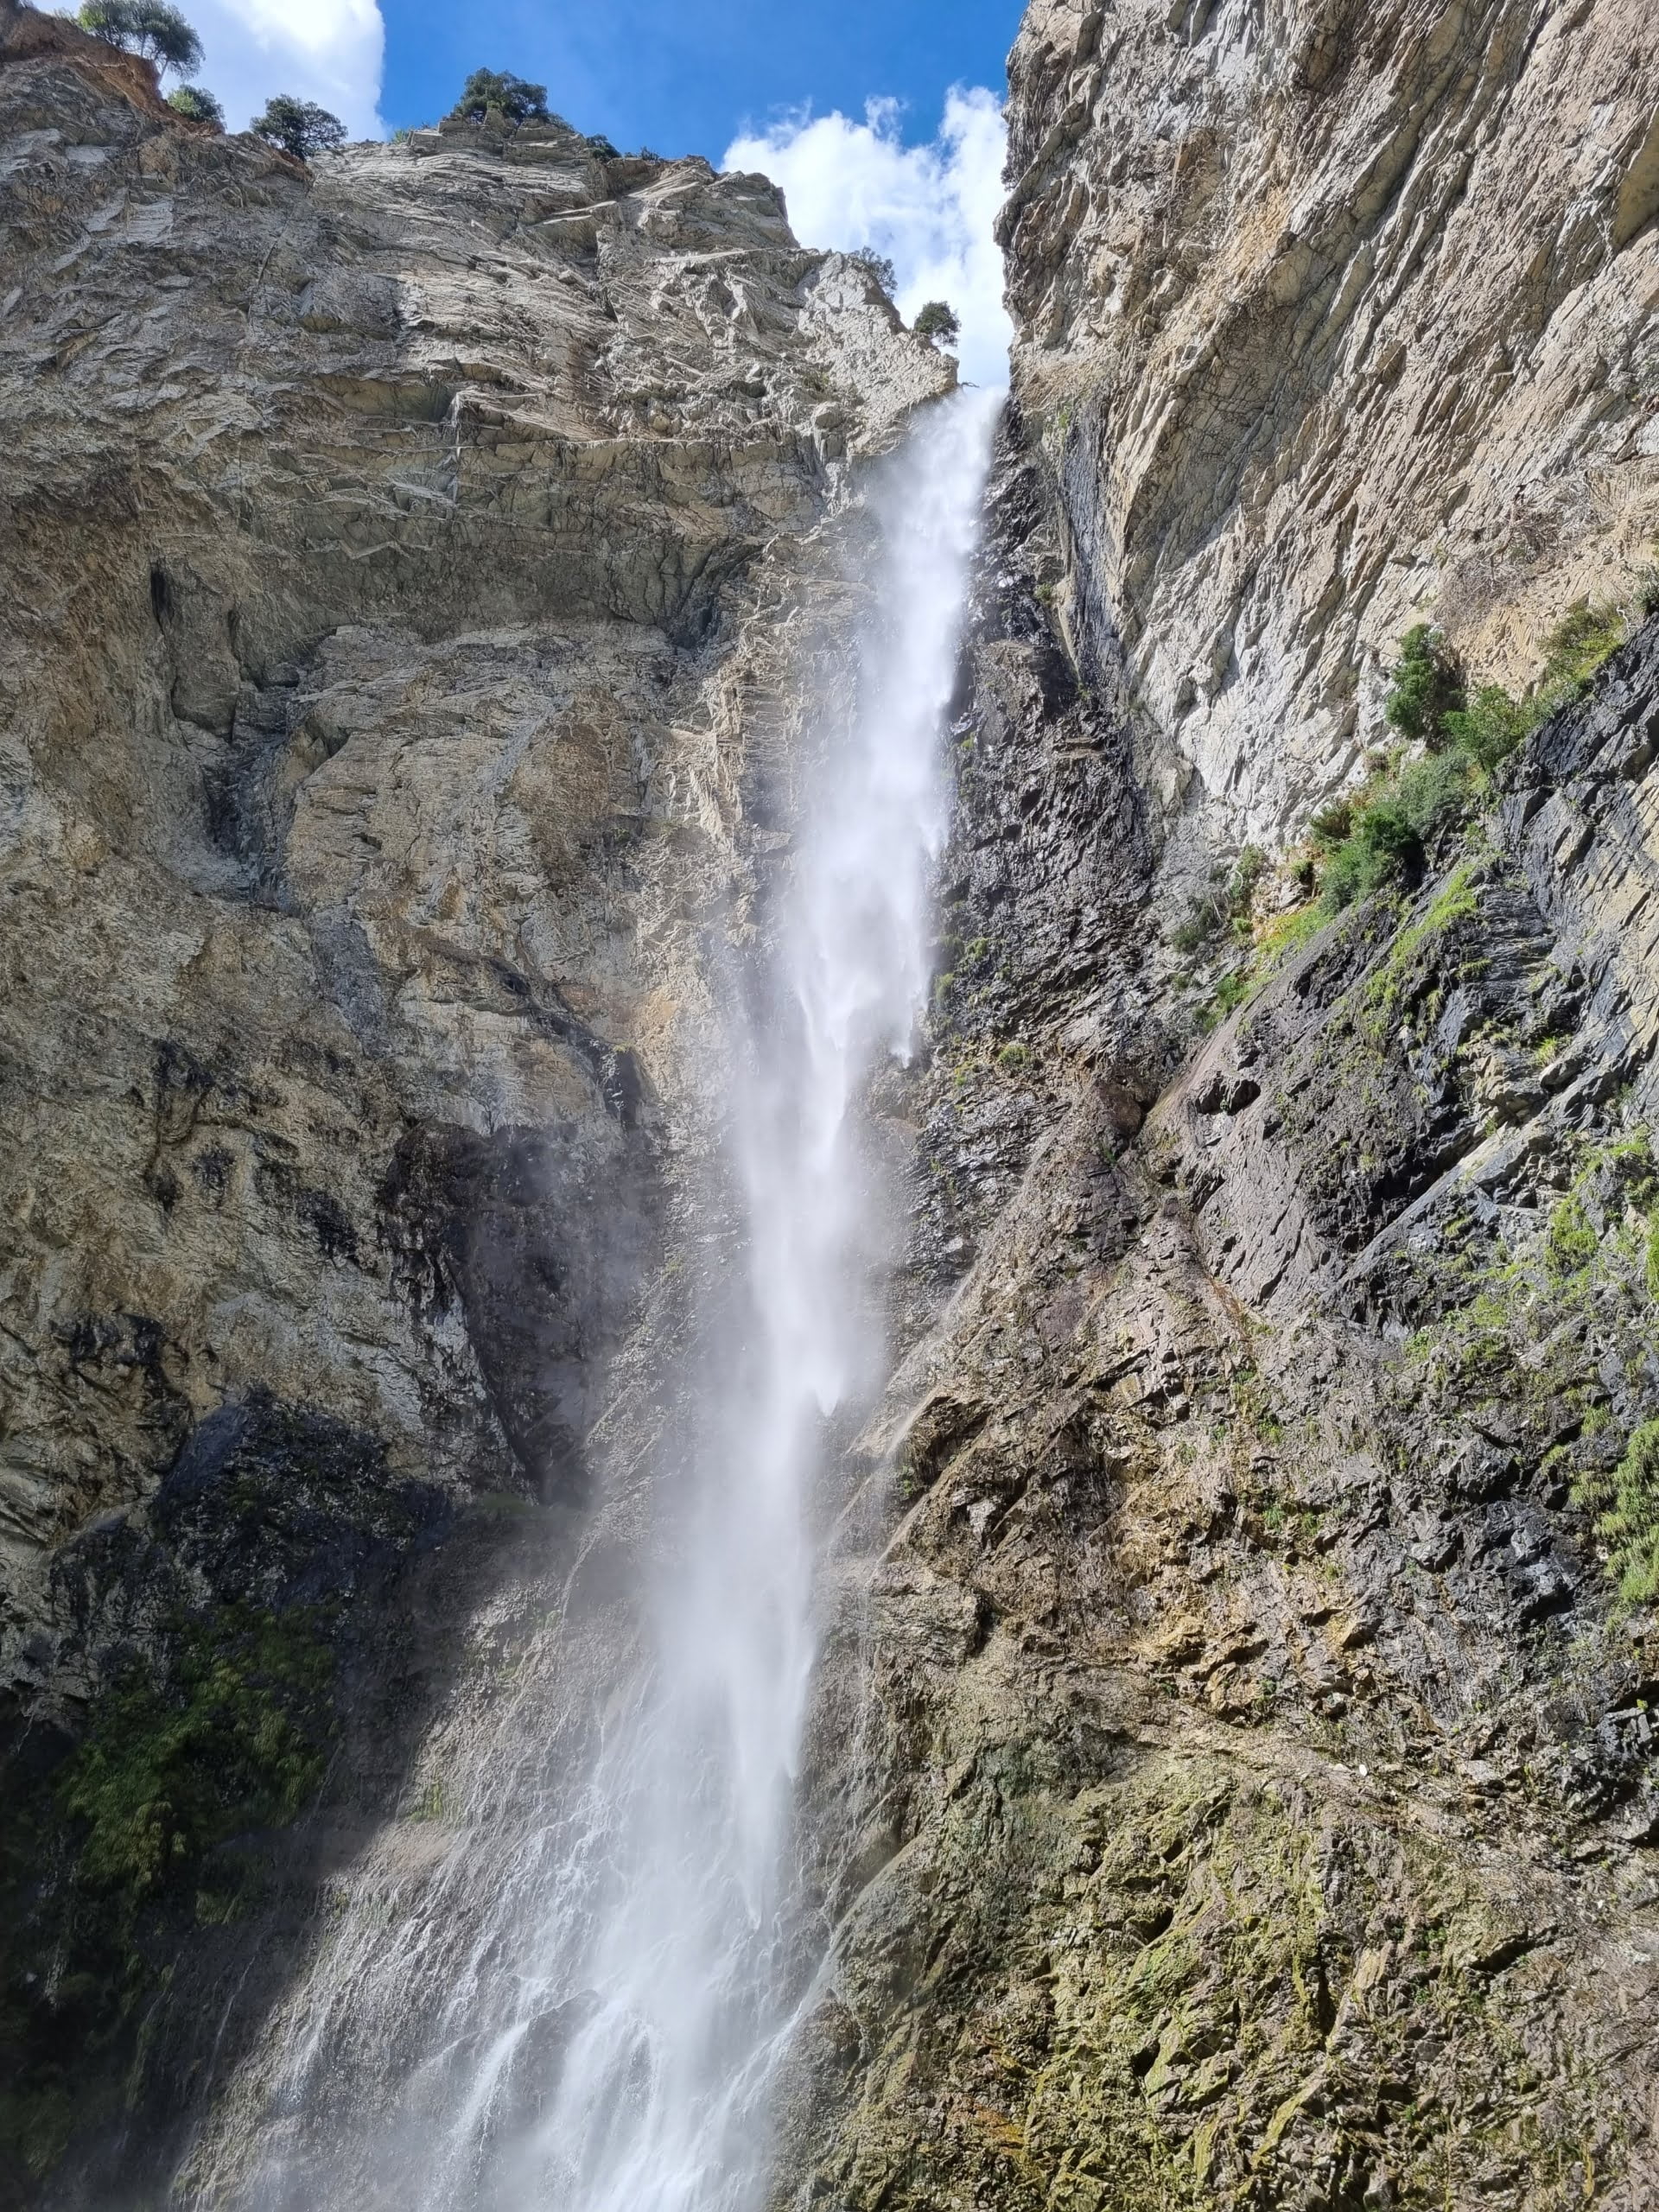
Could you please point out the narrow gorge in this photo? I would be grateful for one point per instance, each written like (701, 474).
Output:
(830, 1365)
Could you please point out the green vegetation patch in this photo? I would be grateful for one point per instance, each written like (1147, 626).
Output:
(1558, 1325)
(1187, 1987)
(231, 1739)
(148, 1829)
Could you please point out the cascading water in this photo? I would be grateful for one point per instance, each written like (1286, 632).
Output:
(603, 2027)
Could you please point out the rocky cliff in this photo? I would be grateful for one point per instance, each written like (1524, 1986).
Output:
(1233, 1779)
(1331, 317)
(1248, 1680)
(406, 562)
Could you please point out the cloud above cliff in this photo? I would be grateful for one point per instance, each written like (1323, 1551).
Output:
(326, 50)
(930, 208)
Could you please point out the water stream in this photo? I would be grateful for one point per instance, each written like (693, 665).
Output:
(582, 2008)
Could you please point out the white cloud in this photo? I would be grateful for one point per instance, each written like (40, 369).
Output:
(930, 208)
(325, 50)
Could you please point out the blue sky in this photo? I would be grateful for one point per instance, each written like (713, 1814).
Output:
(689, 78)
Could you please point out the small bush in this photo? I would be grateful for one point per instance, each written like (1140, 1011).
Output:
(1630, 1524)
(299, 127)
(1382, 846)
(147, 26)
(878, 267)
(1576, 647)
(1490, 726)
(1012, 1056)
(1434, 792)
(1427, 686)
(515, 98)
(197, 104)
(937, 323)
(1331, 825)
(1569, 1239)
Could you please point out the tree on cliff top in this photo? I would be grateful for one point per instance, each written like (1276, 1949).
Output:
(939, 323)
(146, 27)
(877, 266)
(519, 101)
(299, 127)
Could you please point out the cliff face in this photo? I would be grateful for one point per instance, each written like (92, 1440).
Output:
(1247, 1687)
(404, 564)
(1332, 318)
(1233, 1780)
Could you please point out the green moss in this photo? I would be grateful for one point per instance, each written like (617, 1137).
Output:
(1286, 934)
(1458, 901)
(147, 1832)
(228, 1741)
(1133, 2000)
(1229, 993)
(1537, 1326)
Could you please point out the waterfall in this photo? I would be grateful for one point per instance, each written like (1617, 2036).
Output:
(599, 2030)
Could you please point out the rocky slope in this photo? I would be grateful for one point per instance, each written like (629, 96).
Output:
(1247, 1738)
(406, 564)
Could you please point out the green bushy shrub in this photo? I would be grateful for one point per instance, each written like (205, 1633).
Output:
(1490, 725)
(1629, 1523)
(1427, 686)
(197, 104)
(516, 98)
(877, 266)
(937, 323)
(299, 127)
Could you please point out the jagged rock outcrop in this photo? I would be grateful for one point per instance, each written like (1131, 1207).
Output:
(1333, 317)
(405, 561)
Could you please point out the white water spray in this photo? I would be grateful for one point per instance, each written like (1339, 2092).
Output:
(604, 2034)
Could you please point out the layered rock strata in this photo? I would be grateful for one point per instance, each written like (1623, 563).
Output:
(1332, 318)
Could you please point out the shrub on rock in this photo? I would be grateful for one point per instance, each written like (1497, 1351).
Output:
(877, 266)
(937, 323)
(197, 104)
(517, 100)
